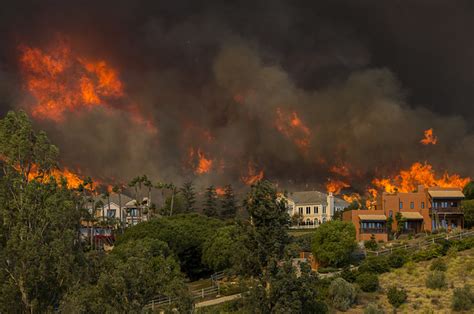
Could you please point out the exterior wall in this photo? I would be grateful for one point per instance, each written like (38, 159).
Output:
(389, 203)
(353, 216)
(319, 216)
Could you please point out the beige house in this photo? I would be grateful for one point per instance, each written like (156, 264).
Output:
(313, 208)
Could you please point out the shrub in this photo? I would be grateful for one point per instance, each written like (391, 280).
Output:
(398, 259)
(349, 275)
(463, 299)
(334, 242)
(428, 254)
(438, 264)
(396, 296)
(368, 282)
(375, 264)
(341, 294)
(371, 244)
(373, 308)
(436, 280)
(325, 270)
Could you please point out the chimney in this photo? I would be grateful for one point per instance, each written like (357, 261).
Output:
(421, 188)
(330, 200)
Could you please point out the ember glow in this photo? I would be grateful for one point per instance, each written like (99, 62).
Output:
(220, 191)
(291, 126)
(429, 138)
(419, 174)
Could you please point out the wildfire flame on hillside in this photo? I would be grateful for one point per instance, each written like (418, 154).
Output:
(253, 176)
(419, 174)
(291, 126)
(429, 138)
(335, 186)
(61, 81)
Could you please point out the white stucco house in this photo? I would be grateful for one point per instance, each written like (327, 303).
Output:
(313, 207)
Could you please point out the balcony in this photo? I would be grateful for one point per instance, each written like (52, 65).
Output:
(447, 210)
(373, 230)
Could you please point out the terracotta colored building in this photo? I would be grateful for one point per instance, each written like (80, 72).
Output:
(426, 209)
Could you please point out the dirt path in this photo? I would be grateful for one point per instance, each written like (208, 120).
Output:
(218, 300)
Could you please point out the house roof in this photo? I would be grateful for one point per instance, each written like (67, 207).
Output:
(446, 193)
(114, 198)
(314, 197)
(373, 217)
(412, 215)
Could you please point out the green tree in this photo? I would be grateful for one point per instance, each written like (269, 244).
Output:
(133, 274)
(40, 254)
(468, 209)
(469, 191)
(286, 293)
(185, 235)
(189, 196)
(210, 202)
(219, 251)
(228, 204)
(334, 242)
(265, 235)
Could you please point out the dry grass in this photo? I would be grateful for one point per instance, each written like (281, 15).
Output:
(412, 278)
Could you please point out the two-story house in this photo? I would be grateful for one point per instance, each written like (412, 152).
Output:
(313, 208)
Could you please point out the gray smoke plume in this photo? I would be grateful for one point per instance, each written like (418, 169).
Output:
(212, 78)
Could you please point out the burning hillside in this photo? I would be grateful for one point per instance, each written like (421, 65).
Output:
(180, 97)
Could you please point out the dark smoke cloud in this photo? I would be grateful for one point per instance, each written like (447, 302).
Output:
(366, 77)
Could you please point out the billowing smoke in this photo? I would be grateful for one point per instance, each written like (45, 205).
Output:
(218, 93)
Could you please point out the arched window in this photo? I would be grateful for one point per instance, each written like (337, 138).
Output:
(308, 222)
(324, 219)
(316, 222)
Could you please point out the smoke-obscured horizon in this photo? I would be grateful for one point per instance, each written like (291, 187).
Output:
(223, 82)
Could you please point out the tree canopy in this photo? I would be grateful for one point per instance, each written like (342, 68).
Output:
(185, 235)
(334, 242)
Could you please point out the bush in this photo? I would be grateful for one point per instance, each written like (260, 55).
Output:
(375, 264)
(349, 275)
(398, 259)
(371, 244)
(436, 280)
(396, 296)
(428, 254)
(325, 270)
(438, 264)
(342, 294)
(373, 308)
(368, 282)
(463, 299)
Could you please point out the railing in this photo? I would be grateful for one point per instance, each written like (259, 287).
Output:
(423, 244)
(373, 230)
(439, 210)
(196, 294)
(305, 226)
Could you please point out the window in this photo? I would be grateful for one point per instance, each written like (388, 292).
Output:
(315, 209)
(390, 214)
(412, 205)
(401, 205)
(300, 210)
(324, 209)
(324, 219)
(422, 204)
(111, 213)
(308, 210)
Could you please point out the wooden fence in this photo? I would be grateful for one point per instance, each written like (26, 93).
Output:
(423, 244)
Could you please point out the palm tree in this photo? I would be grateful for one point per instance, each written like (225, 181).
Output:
(118, 190)
(172, 187)
(147, 183)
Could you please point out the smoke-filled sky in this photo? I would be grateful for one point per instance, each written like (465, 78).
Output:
(304, 91)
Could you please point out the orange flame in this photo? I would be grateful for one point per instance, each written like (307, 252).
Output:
(291, 126)
(220, 191)
(341, 170)
(253, 176)
(335, 186)
(199, 161)
(419, 174)
(60, 82)
(429, 138)
(73, 179)
(354, 197)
